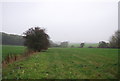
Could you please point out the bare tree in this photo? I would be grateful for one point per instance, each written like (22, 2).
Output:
(115, 40)
(82, 45)
(103, 44)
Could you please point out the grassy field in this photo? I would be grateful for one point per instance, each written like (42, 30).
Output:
(86, 45)
(8, 49)
(17, 50)
(66, 63)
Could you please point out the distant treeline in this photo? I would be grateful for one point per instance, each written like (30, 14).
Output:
(11, 39)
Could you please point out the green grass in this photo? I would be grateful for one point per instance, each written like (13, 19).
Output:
(66, 63)
(8, 49)
(91, 44)
(86, 45)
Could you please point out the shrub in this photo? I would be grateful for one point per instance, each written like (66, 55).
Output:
(36, 39)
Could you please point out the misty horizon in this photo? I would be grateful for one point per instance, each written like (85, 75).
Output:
(59, 42)
(74, 22)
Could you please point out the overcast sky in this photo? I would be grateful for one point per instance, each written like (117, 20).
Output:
(73, 21)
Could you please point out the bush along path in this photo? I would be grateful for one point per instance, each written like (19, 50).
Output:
(10, 58)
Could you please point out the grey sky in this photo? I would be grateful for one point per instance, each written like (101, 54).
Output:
(72, 21)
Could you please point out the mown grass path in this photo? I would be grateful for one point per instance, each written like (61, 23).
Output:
(66, 63)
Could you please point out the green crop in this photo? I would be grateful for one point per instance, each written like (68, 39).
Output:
(12, 50)
(66, 63)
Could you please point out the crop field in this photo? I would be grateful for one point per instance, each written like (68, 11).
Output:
(66, 63)
(8, 49)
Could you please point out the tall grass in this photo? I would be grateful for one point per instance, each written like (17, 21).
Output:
(8, 50)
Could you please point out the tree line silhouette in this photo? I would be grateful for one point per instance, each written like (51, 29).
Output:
(37, 40)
